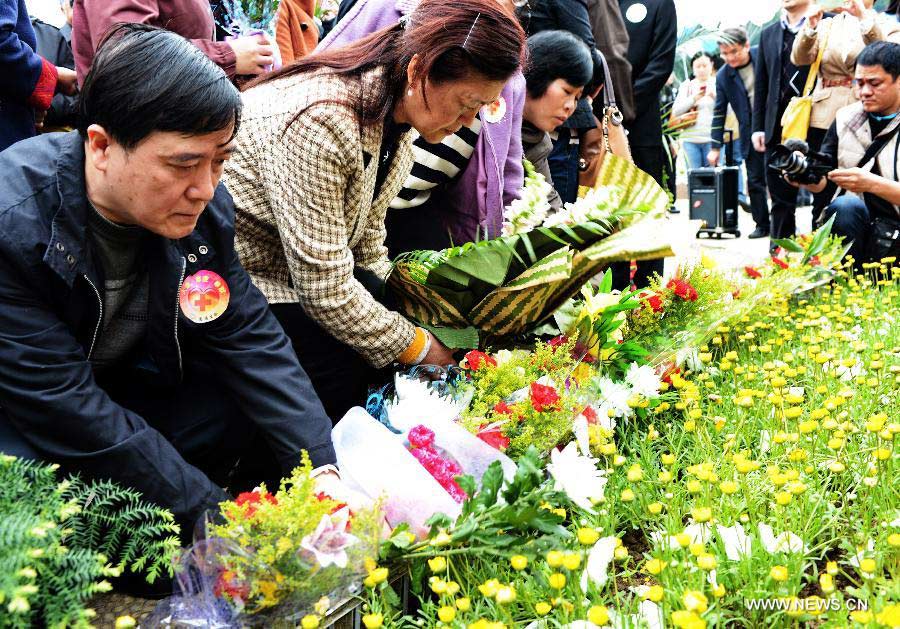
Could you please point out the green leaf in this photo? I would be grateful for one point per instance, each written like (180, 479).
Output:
(819, 240)
(491, 482)
(453, 338)
(467, 483)
(789, 245)
(606, 282)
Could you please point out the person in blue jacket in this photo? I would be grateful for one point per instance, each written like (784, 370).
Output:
(27, 80)
(133, 346)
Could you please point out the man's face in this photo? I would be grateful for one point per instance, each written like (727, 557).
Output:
(163, 184)
(878, 91)
(735, 55)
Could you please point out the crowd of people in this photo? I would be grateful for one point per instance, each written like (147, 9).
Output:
(192, 276)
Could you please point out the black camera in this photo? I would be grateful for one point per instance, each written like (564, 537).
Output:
(794, 160)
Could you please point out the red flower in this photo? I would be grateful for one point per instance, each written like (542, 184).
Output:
(494, 438)
(736, 293)
(558, 341)
(253, 498)
(683, 289)
(666, 371)
(814, 261)
(502, 408)
(227, 585)
(421, 437)
(543, 397)
(590, 414)
(654, 300)
(752, 273)
(779, 262)
(475, 360)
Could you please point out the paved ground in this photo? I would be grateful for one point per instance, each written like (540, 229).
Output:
(728, 251)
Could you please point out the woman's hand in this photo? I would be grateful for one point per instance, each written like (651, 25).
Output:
(438, 354)
(253, 54)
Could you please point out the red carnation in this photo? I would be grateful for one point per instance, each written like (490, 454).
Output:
(778, 261)
(502, 408)
(494, 438)
(421, 437)
(476, 360)
(654, 300)
(752, 273)
(590, 414)
(543, 397)
(683, 289)
(253, 498)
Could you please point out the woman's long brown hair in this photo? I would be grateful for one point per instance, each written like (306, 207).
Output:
(454, 39)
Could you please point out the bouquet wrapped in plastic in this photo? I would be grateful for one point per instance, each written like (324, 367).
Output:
(507, 285)
(411, 461)
(274, 559)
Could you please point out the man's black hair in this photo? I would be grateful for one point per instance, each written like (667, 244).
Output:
(881, 53)
(145, 79)
(557, 55)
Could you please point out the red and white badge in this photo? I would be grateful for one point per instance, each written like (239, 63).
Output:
(495, 111)
(204, 296)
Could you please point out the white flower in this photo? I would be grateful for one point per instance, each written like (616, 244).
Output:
(614, 397)
(328, 543)
(651, 614)
(737, 543)
(643, 380)
(597, 566)
(532, 206)
(580, 430)
(689, 357)
(416, 400)
(664, 541)
(699, 533)
(577, 476)
(765, 441)
(847, 374)
(861, 554)
(786, 542)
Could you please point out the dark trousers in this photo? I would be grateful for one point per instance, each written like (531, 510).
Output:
(650, 159)
(416, 228)
(341, 377)
(756, 184)
(784, 195)
(852, 221)
(563, 162)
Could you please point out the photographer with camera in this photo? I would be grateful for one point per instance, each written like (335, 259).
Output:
(863, 144)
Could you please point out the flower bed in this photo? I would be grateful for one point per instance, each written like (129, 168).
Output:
(755, 486)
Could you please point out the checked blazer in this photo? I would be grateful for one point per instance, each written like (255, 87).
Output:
(306, 210)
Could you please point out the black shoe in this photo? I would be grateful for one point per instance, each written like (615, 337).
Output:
(759, 232)
(674, 210)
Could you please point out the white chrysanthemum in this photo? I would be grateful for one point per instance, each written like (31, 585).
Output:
(577, 475)
(614, 397)
(643, 380)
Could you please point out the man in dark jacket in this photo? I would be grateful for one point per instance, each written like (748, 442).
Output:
(612, 40)
(133, 345)
(653, 33)
(735, 87)
(777, 81)
(27, 81)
